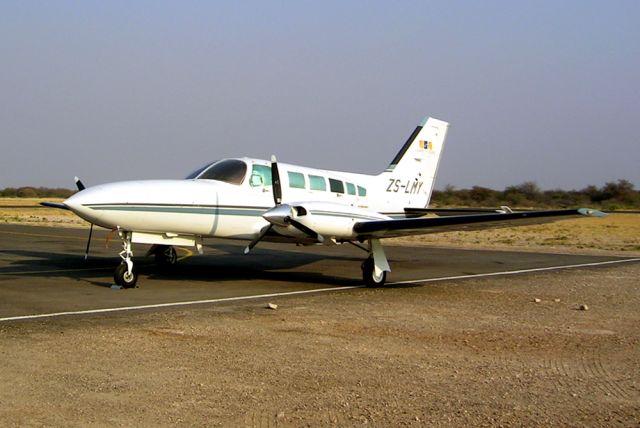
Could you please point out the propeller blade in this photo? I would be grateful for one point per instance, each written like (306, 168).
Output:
(54, 205)
(275, 181)
(253, 243)
(305, 229)
(79, 184)
(86, 252)
(282, 216)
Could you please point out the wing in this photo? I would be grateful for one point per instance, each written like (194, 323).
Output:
(420, 226)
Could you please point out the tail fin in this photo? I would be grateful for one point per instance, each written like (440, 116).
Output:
(410, 177)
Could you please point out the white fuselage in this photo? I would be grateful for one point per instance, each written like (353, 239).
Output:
(208, 207)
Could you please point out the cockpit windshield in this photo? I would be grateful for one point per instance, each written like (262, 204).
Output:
(198, 171)
(229, 170)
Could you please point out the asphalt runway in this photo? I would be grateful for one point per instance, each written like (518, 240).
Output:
(43, 271)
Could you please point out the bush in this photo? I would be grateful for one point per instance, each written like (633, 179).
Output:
(27, 192)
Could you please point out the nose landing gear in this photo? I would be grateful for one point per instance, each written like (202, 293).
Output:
(126, 274)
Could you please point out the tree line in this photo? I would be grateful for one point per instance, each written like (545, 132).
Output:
(611, 196)
(35, 192)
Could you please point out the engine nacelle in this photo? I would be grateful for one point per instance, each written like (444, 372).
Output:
(332, 220)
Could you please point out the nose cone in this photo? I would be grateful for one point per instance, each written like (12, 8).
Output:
(140, 205)
(81, 202)
(279, 215)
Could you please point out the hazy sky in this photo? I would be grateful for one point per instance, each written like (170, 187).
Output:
(115, 90)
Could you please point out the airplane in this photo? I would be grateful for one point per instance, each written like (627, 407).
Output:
(258, 200)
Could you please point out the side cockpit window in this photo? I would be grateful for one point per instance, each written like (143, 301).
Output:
(260, 176)
(230, 171)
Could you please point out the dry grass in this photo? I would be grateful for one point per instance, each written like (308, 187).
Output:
(615, 234)
(28, 211)
(27, 202)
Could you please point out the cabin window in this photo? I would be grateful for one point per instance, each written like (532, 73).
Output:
(260, 176)
(317, 183)
(296, 180)
(351, 189)
(362, 191)
(336, 186)
(229, 170)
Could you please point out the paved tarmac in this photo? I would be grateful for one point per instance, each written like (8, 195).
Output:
(42, 270)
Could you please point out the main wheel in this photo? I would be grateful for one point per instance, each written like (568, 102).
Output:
(369, 275)
(124, 278)
(165, 255)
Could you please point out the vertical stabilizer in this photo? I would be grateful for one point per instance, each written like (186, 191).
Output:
(409, 179)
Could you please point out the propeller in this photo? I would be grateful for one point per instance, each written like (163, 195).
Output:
(275, 181)
(302, 228)
(80, 185)
(258, 238)
(281, 215)
(86, 251)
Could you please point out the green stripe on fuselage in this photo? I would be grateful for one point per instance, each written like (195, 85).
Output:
(182, 209)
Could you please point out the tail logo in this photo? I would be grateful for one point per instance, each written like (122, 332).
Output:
(426, 145)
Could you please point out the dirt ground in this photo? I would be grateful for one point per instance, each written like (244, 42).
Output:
(476, 352)
(479, 352)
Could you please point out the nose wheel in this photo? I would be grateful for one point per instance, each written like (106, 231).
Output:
(125, 274)
(124, 278)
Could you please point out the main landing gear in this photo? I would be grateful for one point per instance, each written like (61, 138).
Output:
(165, 255)
(375, 267)
(369, 276)
(126, 274)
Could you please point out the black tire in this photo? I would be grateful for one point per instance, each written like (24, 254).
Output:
(165, 256)
(122, 277)
(367, 274)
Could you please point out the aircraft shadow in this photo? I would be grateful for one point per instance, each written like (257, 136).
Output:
(224, 263)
